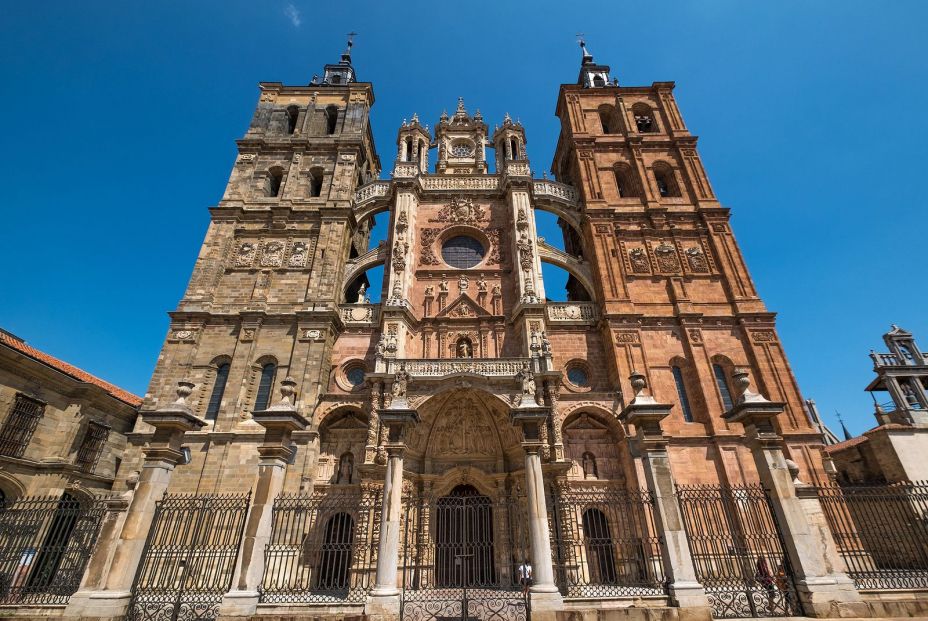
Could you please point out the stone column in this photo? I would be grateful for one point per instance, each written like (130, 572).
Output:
(646, 415)
(97, 571)
(544, 594)
(279, 422)
(397, 418)
(161, 455)
(822, 586)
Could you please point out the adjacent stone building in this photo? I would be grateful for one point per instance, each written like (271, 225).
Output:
(62, 430)
(894, 450)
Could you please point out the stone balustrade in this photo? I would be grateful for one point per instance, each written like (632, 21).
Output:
(571, 311)
(490, 367)
(553, 189)
(372, 190)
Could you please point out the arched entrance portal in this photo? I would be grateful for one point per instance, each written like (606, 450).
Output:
(464, 539)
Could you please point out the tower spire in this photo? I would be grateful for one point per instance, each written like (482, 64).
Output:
(587, 57)
(346, 57)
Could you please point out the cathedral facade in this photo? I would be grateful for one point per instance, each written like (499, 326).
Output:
(466, 447)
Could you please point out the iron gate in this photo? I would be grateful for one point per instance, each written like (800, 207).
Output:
(45, 543)
(189, 557)
(323, 547)
(881, 532)
(738, 551)
(606, 543)
(461, 555)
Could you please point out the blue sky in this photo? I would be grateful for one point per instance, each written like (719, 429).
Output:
(120, 121)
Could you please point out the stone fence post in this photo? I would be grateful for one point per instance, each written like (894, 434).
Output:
(646, 415)
(821, 583)
(279, 422)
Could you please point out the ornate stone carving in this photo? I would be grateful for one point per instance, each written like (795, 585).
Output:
(426, 241)
(526, 256)
(443, 182)
(639, 261)
(461, 211)
(667, 258)
(246, 158)
(183, 335)
(298, 254)
(273, 255)
(571, 311)
(496, 249)
(697, 260)
(245, 256)
(626, 336)
(464, 430)
(463, 284)
(311, 334)
(763, 336)
(398, 259)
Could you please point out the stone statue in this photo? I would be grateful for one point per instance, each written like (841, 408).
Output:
(527, 379)
(497, 290)
(464, 349)
(481, 285)
(430, 291)
(545, 344)
(400, 380)
(382, 345)
(443, 286)
(345, 468)
(361, 291)
(463, 283)
(589, 466)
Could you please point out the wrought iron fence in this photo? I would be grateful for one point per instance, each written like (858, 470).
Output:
(606, 543)
(323, 547)
(189, 557)
(881, 531)
(737, 551)
(462, 556)
(45, 544)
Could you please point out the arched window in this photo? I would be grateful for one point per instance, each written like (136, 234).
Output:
(219, 387)
(335, 79)
(666, 181)
(335, 558)
(331, 117)
(644, 118)
(315, 182)
(345, 468)
(681, 393)
(625, 181)
(265, 386)
(293, 113)
(607, 119)
(272, 183)
(721, 380)
(600, 549)
(598, 81)
(514, 148)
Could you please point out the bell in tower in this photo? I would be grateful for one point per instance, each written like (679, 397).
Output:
(461, 141)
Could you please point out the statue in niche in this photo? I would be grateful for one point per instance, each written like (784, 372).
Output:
(400, 380)
(465, 349)
(463, 283)
(588, 463)
(481, 285)
(345, 468)
(527, 380)
(443, 285)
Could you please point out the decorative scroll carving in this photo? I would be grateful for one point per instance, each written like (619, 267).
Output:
(626, 336)
(427, 240)
(461, 211)
(497, 253)
(492, 367)
(763, 336)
